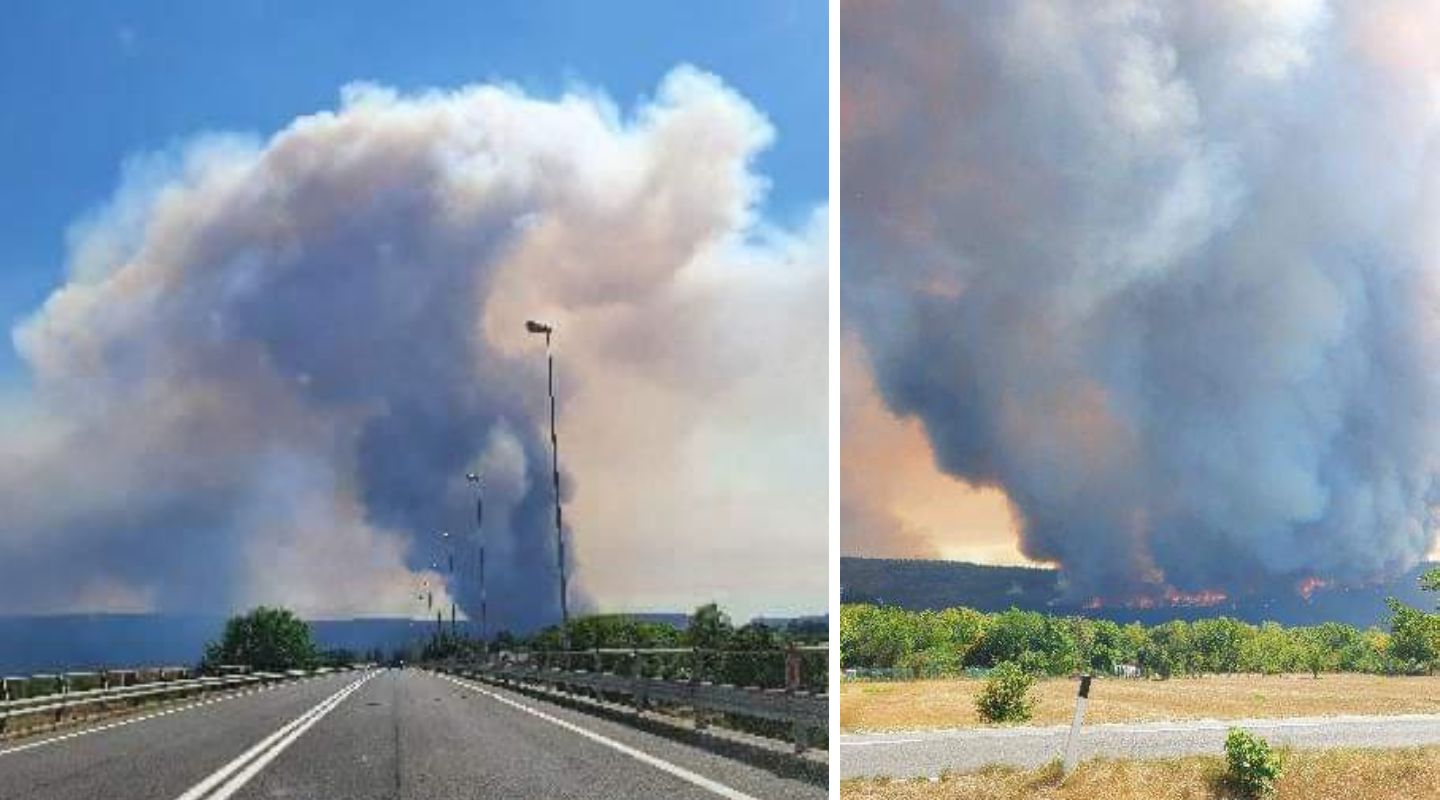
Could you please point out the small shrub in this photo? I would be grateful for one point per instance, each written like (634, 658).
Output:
(1006, 696)
(1253, 765)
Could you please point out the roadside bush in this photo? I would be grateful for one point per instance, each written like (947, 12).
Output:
(265, 639)
(1007, 694)
(1253, 767)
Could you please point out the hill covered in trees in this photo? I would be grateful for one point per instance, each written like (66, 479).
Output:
(920, 585)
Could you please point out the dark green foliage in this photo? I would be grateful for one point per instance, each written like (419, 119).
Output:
(1252, 766)
(1006, 696)
(939, 643)
(266, 639)
(339, 657)
(1414, 639)
(446, 646)
(1430, 582)
(711, 649)
(505, 640)
(709, 629)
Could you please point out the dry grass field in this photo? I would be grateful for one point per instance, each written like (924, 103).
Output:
(1411, 774)
(913, 705)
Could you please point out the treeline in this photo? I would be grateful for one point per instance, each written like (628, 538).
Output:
(942, 643)
(714, 648)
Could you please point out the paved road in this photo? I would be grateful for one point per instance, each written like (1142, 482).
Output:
(389, 734)
(926, 754)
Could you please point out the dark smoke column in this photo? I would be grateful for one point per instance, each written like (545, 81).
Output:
(537, 327)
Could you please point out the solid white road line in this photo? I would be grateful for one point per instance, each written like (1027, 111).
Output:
(154, 715)
(660, 764)
(228, 779)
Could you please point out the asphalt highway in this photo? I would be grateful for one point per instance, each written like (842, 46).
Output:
(929, 753)
(392, 734)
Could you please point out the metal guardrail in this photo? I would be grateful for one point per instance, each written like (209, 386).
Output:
(803, 711)
(57, 703)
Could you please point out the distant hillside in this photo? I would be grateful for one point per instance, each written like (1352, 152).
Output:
(918, 584)
(90, 641)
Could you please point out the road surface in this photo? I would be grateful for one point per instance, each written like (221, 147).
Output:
(929, 753)
(392, 734)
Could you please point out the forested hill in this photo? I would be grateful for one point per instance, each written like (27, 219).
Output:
(919, 584)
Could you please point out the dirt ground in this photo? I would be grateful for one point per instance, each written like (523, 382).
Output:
(1410, 774)
(950, 703)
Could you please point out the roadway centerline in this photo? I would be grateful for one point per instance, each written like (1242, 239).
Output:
(65, 737)
(227, 780)
(639, 755)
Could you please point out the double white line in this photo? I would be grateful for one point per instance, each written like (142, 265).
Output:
(230, 778)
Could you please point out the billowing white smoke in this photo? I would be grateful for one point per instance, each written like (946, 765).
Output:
(1166, 273)
(274, 362)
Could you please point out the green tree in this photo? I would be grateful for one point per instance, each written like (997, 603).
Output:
(873, 636)
(1272, 650)
(709, 629)
(1218, 642)
(753, 657)
(1430, 582)
(1012, 634)
(1414, 638)
(265, 639)
(1171, 650)
(1109, 647)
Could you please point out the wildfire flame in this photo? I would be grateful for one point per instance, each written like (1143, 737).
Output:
(1307, 586)
(1169, 597)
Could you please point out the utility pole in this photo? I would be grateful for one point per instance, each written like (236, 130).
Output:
(480, 532)
(537, 327)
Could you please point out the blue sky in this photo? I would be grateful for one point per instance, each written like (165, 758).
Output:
(86, 84)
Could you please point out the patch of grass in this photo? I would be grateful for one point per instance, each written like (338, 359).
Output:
(1351, 774)
(950, 703)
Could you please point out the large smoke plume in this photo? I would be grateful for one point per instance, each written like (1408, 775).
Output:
(1168, 274)
(274, 362)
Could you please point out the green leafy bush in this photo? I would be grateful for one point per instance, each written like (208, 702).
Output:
(1006, 696)
(1253, 766)
(265, 639)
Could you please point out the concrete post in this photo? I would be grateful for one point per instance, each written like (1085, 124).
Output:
(1073, 740)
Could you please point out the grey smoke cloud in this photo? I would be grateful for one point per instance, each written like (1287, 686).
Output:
(274, 360)
(1166, 273)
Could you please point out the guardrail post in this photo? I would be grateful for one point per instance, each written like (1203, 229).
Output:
(792, 685)
(637, 698)
(4, 697)
(599, 670)
(700, 722)
(62, 683)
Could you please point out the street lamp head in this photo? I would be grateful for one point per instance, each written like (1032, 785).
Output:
(472, 477)
(536, 327)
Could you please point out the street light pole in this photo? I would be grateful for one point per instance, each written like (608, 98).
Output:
(537, 327)
(450, 561)
(480, 532)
